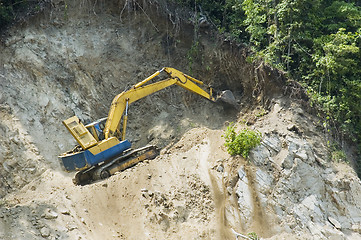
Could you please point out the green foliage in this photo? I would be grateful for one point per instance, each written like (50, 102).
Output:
(6, 12)
(338, 156)
(253, 236)
(316, 42)
(12, 10)
(226, 15)
(262, 112)
(193, 55)
(241, 143)
(336, 152)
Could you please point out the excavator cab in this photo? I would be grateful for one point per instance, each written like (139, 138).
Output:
(94, 150)
(96, 128)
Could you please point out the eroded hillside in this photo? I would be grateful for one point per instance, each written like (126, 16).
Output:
(75, 57)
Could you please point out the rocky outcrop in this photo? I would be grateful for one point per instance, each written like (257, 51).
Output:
(304, 194)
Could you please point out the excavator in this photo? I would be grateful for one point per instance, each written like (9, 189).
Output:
(103, 148)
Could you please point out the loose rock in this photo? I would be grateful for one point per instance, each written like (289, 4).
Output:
(334, 222)
(45, 232)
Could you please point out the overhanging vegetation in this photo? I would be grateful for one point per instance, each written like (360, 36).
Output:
(315, 42)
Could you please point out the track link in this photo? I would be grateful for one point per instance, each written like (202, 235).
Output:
(110, 167)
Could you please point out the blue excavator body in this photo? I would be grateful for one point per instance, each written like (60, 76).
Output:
(76, 161)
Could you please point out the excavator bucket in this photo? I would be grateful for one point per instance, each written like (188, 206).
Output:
(227, 97)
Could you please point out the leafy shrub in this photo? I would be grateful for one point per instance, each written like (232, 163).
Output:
(336, 152)
(242, 142)
(12, 11)
(6, 13)
(253, 236)
(338, 156)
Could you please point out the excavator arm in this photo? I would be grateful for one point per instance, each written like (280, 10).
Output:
(121, 102)
(101, 153)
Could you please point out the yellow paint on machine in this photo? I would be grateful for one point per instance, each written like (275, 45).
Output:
(104, 145)
(120, 104)
(79, 132)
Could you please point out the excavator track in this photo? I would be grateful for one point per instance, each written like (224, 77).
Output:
(120, 163)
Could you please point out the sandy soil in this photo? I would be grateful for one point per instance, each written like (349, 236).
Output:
(173, 196)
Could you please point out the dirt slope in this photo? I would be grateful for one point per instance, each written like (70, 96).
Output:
(169, 197)
(75, 57)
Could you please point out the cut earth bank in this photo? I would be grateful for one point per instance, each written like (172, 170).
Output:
(75, 57)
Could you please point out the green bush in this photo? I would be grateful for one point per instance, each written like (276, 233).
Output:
(253, 236)
(6, 14)
(12, 11)
(338, 156)
(242, 142)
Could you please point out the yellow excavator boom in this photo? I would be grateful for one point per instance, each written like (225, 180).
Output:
(121, 102)
(87, 136)
(101, 153)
